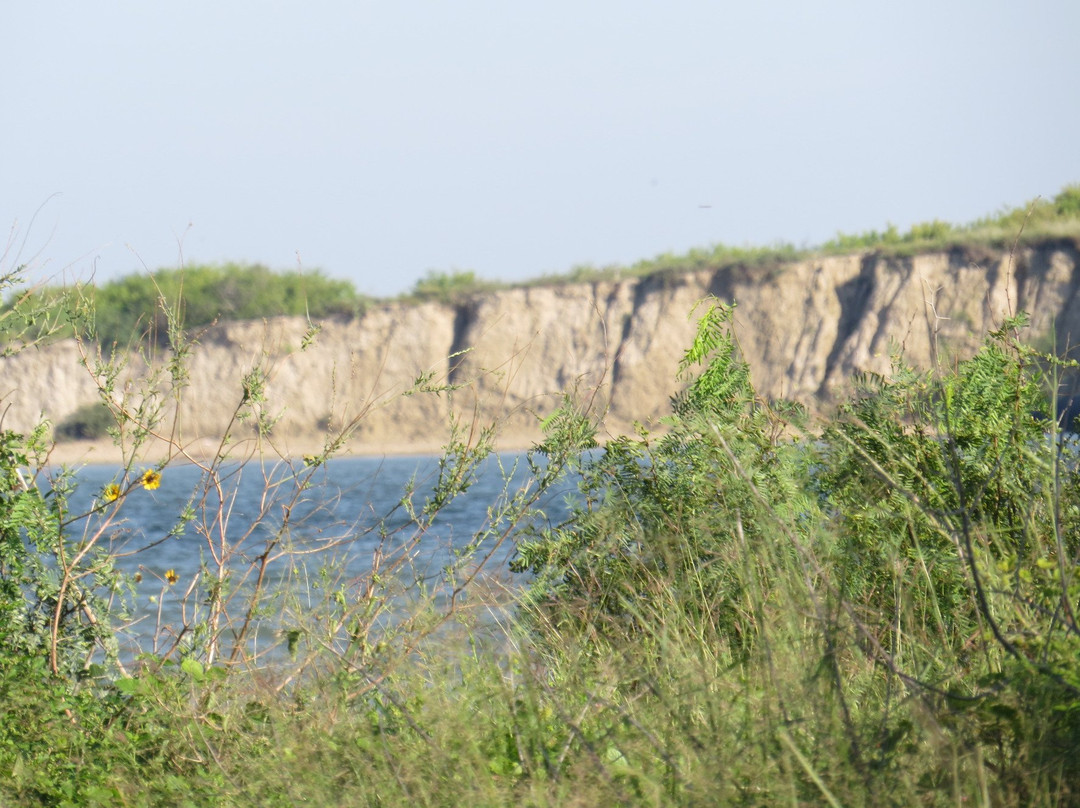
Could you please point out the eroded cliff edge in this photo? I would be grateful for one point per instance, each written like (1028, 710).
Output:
(804, 328)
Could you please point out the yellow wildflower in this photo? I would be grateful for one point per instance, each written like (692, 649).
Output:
(111, 492)
(171, 577)
(150, 479)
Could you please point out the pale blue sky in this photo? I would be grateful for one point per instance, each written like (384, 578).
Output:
(381, 140)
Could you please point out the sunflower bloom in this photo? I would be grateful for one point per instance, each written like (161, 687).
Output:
(111, 492)
(171, 577)
(150, 479)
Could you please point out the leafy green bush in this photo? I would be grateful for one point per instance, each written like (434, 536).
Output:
(138, 309)
(923, 541)
(1067, 203)
(449, 287)
(929, 231)
(139, 304)
(89, 422)
(54, 589)
(844, 242)
(673, 512)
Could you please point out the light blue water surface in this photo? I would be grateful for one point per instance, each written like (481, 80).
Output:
(337, 514)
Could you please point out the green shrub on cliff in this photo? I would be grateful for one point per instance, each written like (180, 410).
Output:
(1037, 220)
(449, 287)
(207, 294)
(1067, 203)
(136, 308)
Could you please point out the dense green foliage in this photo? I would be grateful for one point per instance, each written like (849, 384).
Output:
(137, 308)
(928, 531)
(449, 287)
(53, 591)
(673, 509)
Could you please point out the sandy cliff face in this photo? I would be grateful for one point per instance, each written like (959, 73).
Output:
(803, 327)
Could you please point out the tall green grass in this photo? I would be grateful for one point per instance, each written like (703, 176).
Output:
(749, 608)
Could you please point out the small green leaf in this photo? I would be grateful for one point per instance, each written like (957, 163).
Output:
(193, 668)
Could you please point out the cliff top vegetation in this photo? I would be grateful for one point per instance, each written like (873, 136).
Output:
(135, 308)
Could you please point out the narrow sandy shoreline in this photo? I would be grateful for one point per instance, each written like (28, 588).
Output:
(106, 452)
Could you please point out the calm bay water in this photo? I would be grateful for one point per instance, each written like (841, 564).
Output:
(343, 512)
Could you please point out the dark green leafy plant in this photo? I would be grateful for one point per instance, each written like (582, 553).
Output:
(674, 511)
(929, 528)
(54, 590)
(928, 474)
(954, 503)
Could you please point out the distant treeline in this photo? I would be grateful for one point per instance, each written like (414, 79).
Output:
(138, 308)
